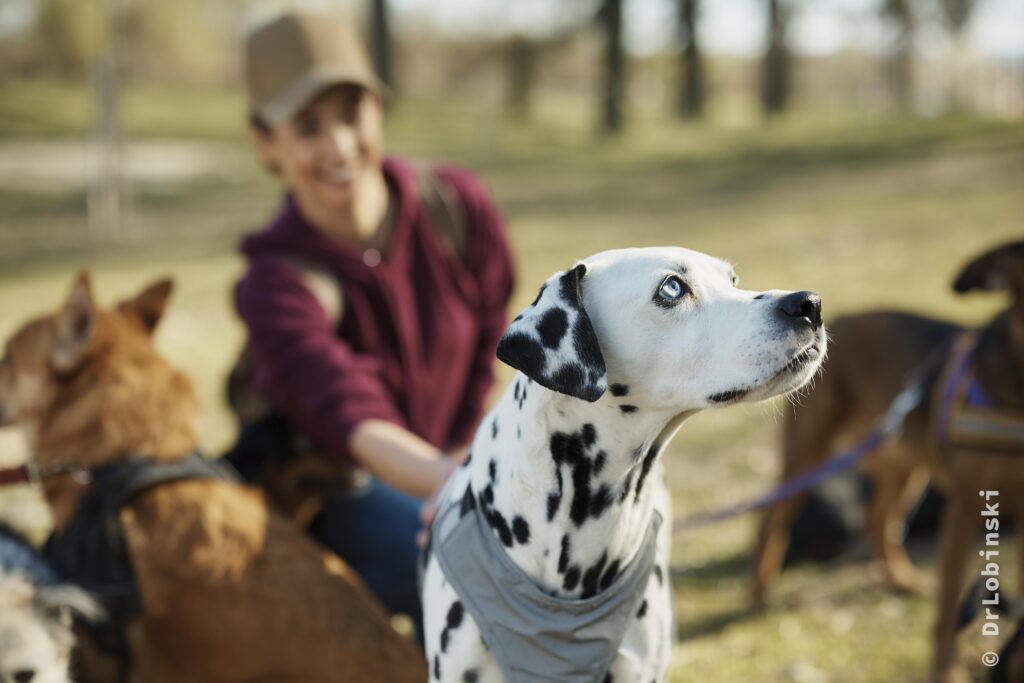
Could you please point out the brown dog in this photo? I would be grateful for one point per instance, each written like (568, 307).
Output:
(228, 590)
(870, 358)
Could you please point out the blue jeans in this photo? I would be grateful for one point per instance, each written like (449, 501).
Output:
(374, 531)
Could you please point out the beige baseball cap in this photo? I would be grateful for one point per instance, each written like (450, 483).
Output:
(295, 56)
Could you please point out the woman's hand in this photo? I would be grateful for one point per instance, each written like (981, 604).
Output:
(399, 458)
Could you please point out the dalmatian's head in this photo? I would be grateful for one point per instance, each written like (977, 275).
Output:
(668, 326)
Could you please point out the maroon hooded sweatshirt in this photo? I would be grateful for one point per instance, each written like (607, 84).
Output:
(418, 330)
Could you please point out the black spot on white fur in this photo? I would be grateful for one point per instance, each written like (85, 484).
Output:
(610, 574)
(522, 352)
(521, 530)
(508, 534)
(645, 468)
(470, 676)
(468, 503)
(627, 485)
(626, 408)
(619, 390)
(571, 375)
(494, 428)
(592, 575)
(494, 518)
(519, 394)
(642, 611)
(572, 578)
(552, 327)
(452, 622)
(573, 450)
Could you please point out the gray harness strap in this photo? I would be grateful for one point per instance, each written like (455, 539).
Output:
(532, 635)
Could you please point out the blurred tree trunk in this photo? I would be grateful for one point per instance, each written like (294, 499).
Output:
(957, 15)
(691, 91)
(380, 43)
(108, 191)
(775, 74)
(901, 66)
(611, 102)
(68, 35)
(521, 60)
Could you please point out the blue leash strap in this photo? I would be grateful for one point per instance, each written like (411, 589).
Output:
(888, 427)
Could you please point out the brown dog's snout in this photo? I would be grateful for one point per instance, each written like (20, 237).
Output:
(801, 307)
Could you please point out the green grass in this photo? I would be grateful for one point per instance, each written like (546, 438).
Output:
(868, 212)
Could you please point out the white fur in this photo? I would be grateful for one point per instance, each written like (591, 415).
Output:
(35, 628)
(674, 359)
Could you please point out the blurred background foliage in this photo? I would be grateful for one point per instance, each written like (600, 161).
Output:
(860, 148)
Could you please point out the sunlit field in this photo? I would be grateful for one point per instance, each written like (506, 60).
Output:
(868, 212)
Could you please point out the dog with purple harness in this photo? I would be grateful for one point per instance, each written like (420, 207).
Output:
(549, 552)
(966, 434)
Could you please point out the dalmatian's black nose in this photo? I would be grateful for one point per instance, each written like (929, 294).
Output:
(802, 306)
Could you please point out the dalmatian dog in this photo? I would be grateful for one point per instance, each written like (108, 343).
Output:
(612, 356)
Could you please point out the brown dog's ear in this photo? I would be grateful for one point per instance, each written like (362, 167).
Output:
(998, 270)
(76, 322)
(148, 307)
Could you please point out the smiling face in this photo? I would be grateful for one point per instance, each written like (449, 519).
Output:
(670, 324)
(329, 151)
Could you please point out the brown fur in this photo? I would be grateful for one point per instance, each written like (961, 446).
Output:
(300, 488)
(868, 360)
(230, 591)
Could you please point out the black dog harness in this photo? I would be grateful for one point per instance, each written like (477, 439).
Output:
(91, 552)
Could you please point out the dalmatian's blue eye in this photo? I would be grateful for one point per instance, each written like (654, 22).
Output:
(672, 289)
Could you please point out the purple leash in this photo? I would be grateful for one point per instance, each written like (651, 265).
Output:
(889, 426)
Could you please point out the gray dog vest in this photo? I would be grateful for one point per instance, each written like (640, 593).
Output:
(534, 636)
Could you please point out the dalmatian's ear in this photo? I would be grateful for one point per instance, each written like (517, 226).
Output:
(553, 342)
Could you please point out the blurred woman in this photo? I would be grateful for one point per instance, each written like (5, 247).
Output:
(395, 380)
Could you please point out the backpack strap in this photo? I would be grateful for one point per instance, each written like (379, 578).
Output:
(446, 211)
(323, 286)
